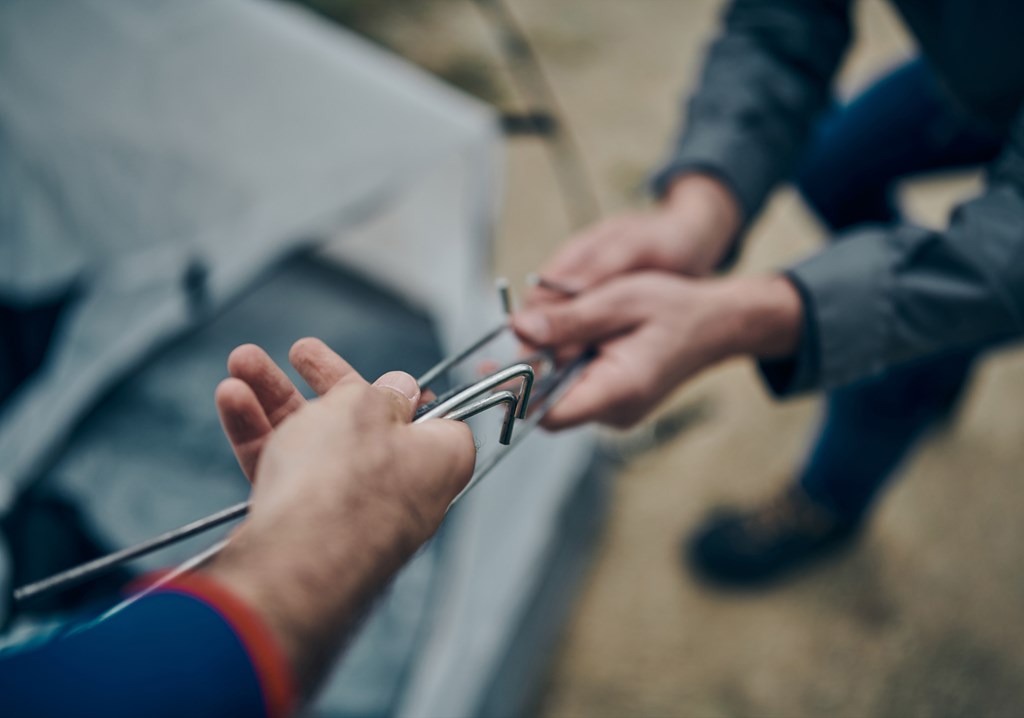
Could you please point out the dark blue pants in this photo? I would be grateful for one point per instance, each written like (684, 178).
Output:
(900, 127)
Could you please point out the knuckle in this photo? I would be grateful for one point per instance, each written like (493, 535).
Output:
(625, 412)
(635, 391)
(559, 321)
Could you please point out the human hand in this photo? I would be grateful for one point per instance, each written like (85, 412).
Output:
(260, 408)
(258, 396)
(653, 330)
(688, 233)
(345, 491)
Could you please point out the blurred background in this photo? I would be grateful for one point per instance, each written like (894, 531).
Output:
(923, 616)
(195, 158)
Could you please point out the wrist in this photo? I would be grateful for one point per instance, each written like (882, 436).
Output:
(765, 316)
(705, 209)
(310, 585)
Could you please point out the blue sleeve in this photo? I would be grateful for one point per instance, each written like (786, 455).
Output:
(168, 654)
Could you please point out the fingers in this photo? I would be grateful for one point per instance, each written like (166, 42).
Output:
(589, 318)
(319, 366)
(610, 248)
(402, 393)
(272, 387)
(244, 420)
(618, 388)
(589, 258)
(584, 401)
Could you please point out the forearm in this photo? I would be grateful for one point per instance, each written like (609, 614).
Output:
(312, 589)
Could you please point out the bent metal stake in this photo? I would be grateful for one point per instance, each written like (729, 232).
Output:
(541, 389)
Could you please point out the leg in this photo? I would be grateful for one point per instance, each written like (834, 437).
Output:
(900, 127)
(870, 426)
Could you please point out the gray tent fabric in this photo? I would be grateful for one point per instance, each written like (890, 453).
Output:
(145, 140)
(207, 172)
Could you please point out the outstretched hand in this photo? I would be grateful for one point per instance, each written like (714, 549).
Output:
(345, 490)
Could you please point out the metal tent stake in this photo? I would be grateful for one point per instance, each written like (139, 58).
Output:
(457, 404)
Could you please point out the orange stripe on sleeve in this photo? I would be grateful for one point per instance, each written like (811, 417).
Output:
(272, 669)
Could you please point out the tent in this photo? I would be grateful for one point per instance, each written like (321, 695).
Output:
(202, 173)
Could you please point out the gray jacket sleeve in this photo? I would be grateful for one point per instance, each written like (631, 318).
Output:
(886, 296)
(765, 79)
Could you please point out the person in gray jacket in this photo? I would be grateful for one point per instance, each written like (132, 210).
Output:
(888, 320)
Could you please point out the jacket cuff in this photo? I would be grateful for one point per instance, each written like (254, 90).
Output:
(268, 660)
(724, 152)
(846, 298)
(799, 373)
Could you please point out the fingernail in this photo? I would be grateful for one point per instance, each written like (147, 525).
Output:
(401, 382)
(534, 325)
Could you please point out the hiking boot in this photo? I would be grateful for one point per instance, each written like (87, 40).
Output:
(763, 543)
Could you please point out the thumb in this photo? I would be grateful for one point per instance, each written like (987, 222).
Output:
(588, 319)
(403, 394)
(448, 455)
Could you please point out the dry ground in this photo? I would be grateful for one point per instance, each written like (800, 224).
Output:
(926, 615)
